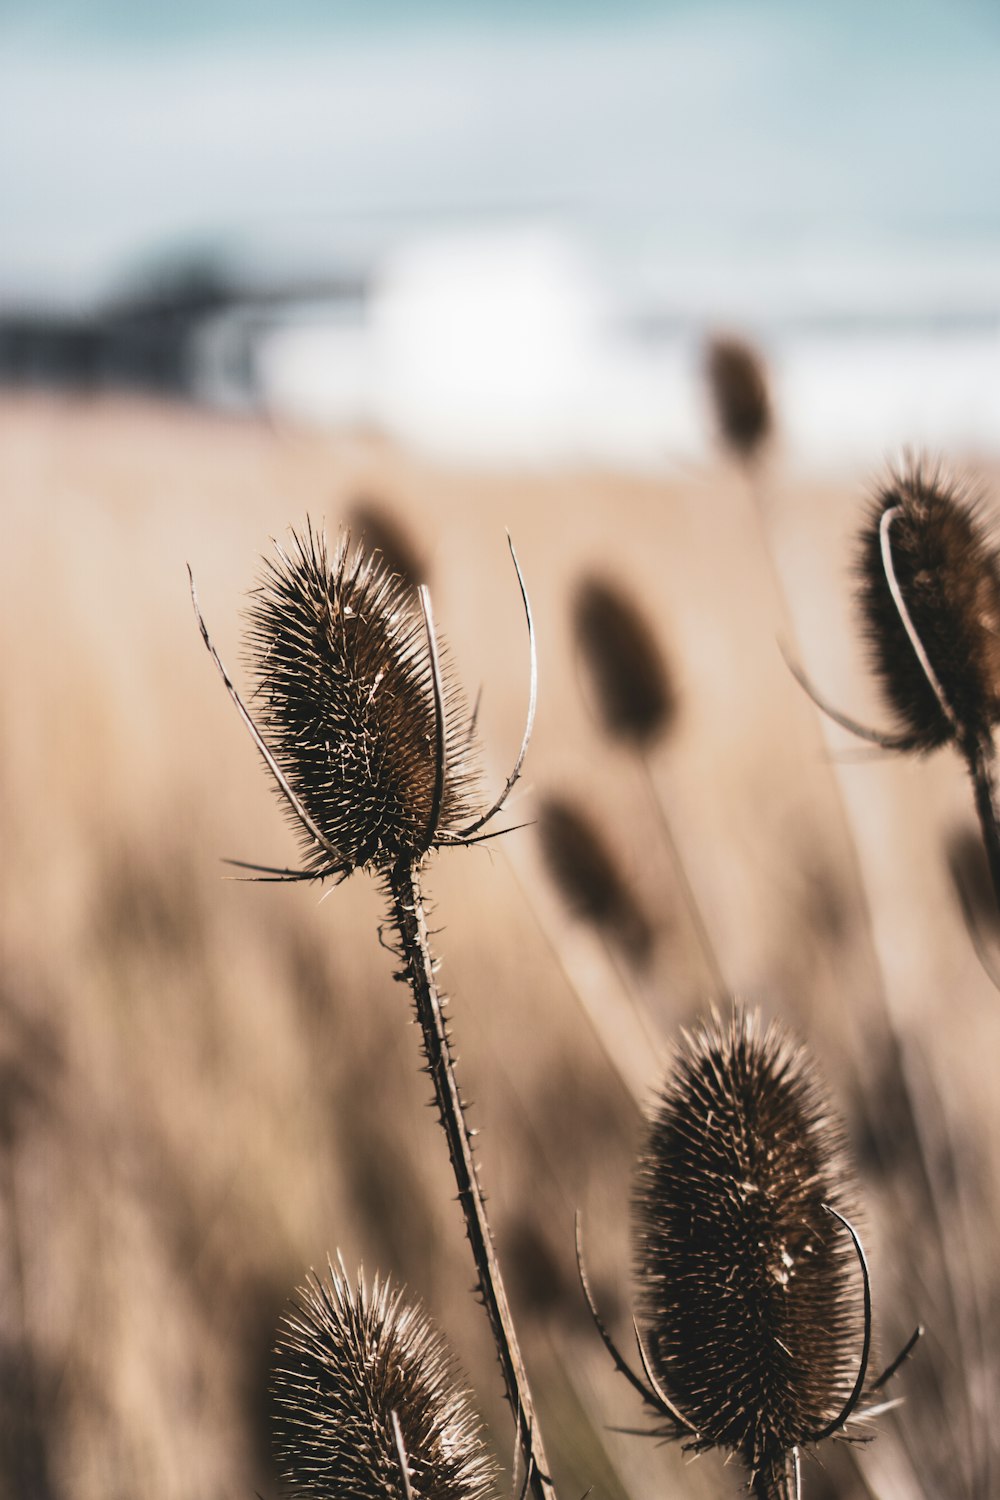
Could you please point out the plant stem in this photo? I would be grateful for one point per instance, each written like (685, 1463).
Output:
(411, 925)
(690, 900)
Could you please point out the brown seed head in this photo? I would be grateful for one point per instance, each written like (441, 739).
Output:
(749, 1292)
(345, 701)
(379, 530)
(632, 686)
(590, 879)
(948, 575)
(737, 380)
(347, 1359)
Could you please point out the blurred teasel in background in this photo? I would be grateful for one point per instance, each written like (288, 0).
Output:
(740, 391)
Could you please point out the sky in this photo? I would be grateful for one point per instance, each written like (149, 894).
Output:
(667, 137)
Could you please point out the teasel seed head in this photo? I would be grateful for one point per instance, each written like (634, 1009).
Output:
(924, 531)
(750, 1299)
(589, 878)
(378, 529)
(738, 383)
(349, 1360)
(347, 701)
(632, 686)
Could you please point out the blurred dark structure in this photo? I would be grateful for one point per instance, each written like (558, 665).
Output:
(151, 336)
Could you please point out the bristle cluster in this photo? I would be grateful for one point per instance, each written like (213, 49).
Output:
(750, 1298)
(632, 687)
(345, 701)
(738, 383)
(346, 1360)
(948, 576)
(590, 879)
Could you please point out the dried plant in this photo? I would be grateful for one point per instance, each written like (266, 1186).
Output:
(636, 701)
(633, 691)
(378, 529)
(929, 595)
(348, 692)
(365, 740)
(367, 1400)
(590, 880)
(738, 384)
(754, 1302)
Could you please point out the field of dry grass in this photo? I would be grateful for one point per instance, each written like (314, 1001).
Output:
(208, 1086)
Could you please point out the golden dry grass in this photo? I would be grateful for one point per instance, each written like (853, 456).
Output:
(208, 1086)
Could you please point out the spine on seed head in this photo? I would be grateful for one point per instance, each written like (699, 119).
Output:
(948, 577)
(748, 1292)
(345, 691)
(362, 1383)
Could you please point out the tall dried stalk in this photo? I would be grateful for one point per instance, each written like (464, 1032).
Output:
(368, 746)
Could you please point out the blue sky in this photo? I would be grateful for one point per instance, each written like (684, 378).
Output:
(656, 131)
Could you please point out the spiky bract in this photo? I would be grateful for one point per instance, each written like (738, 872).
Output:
(345, 695)
(738, 383)
(632, 687)
(346, 1359)
(949, 578)
(749, 1291)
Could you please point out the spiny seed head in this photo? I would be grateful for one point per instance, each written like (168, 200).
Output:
(633, 691)
(749, 1292)
(948, 575)
(737, 380)
(344, 688)
(346, 1359)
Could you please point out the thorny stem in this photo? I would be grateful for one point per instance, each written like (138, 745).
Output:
(779, 1481)
(411, 925)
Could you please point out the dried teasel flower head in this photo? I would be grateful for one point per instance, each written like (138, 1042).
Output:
(753, 1312)
(590, 880)
(738, 384)
(345, 696)
(357, 718)
(632, 686)
(362, 1385)
(929, 593)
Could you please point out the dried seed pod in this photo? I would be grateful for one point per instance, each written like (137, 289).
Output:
(925, 545)
(590, 880)
(632, 687)
(750, 1297)
(378, 530)
(346, 1360)
(347, 693)
(738, 383)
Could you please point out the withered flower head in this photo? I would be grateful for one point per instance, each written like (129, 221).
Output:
(347, 1361)
(632, 687)
(924, 546)
(737, 380)
(378, 529)
(590, 879)
(750, 1298)
(364, 726)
